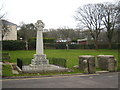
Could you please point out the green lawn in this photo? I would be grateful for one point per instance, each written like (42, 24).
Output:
(6, 70)
(70, 55)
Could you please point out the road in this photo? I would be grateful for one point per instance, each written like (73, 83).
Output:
(104, 80)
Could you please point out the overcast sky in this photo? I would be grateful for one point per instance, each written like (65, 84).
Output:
(54, 13)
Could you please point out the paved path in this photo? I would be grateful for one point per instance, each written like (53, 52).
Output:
(104, 80)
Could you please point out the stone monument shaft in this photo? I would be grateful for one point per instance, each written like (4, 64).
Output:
(39, 43)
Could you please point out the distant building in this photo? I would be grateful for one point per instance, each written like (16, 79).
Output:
(82, 41)
(61, 41)
(12, 33)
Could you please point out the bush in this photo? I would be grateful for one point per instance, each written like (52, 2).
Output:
(60, 46)
(32, 45)
(26, 61)
(48, 40)
(49, 45)
(103, 46)
(90, 46)
(115, 46)
(58, 61)
(73, 46)
(13, 45)
(20, 45)
(80, 46)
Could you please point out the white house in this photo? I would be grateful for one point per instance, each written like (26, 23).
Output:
(12, 33)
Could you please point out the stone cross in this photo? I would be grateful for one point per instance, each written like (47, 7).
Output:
(39, 43)
(39, 57)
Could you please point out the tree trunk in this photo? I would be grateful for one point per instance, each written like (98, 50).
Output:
(109, 45)
(96, 44)
(26, 45)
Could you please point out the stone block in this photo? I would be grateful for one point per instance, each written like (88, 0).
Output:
(87, 63)
(107, 62)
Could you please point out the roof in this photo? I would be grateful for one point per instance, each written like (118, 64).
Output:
(82, 39)
(7, 22)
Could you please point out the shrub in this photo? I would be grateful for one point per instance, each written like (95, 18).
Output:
(60, 46)
(58, 61)
(115, 46)
(90, 46)
(48, 40)
(13, 45)
(49, 45)
(32, 45)
(26, 61)
(73, 46)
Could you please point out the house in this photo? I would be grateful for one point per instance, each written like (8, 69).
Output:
(11, 34)
(82, 41)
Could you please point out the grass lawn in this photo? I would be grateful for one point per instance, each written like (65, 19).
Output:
(70, 55)
(6, 70)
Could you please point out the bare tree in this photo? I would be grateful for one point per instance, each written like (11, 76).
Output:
(5, 27)
(110, 14)
(91, 17)
(2, 15)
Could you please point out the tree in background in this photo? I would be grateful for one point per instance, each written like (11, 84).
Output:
(26, 32)
(118, 22)
(110, 14)
(62, 33)
(2, 15)
(91, 17)
(5, 27)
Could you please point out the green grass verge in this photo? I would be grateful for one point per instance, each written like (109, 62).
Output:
(70, 55)
(6, 70)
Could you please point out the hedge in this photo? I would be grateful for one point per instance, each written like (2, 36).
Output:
(58, 61)
(13, 45)
(32, 45)
(48, 40)
(20, 45)
(25, 61)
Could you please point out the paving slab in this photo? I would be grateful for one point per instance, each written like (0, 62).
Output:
(42, 68)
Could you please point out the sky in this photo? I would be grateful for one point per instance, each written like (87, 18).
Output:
(54, 13)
